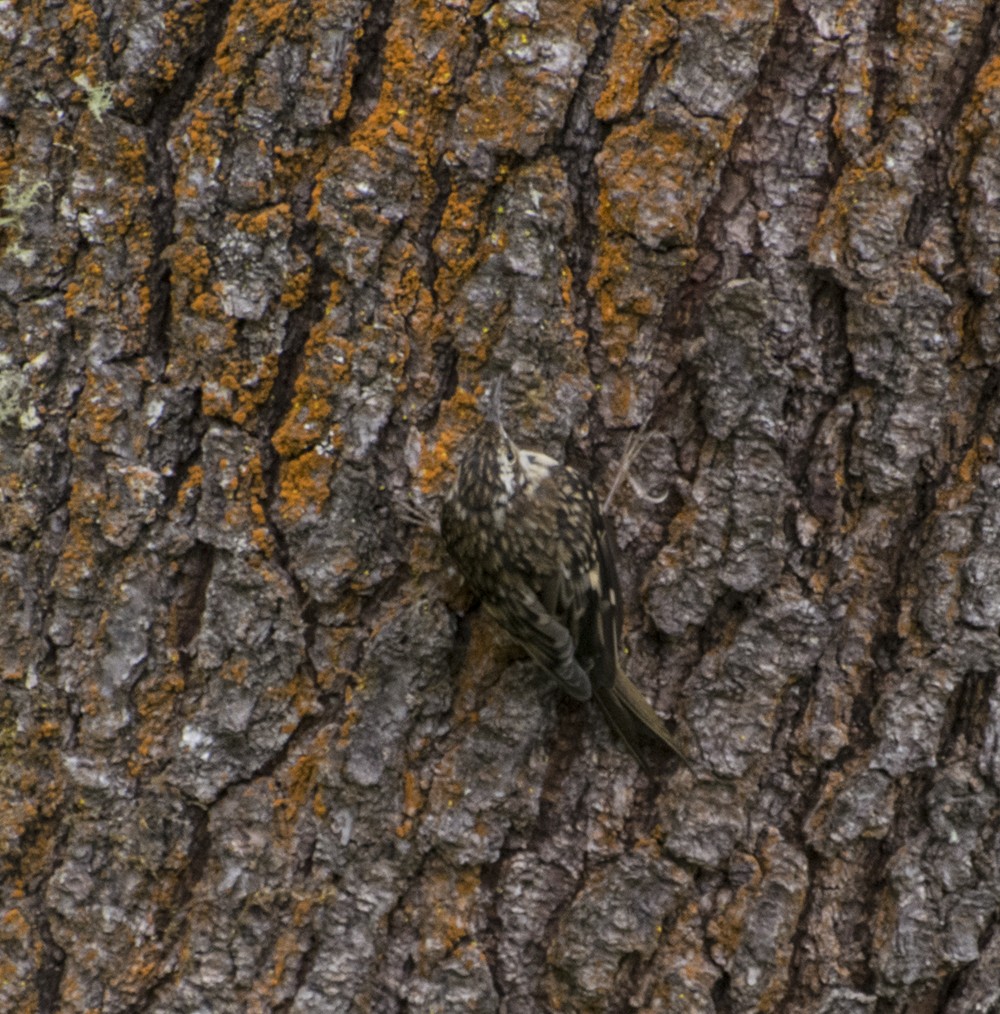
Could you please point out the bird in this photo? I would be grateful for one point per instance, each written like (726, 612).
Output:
(528, 536)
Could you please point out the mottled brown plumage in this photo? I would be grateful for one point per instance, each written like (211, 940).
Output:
(528, 536)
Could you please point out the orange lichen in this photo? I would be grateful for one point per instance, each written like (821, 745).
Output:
(130, 158)
(635, 155)
(449, 913)
(234, 670)
(300, 692)
(203, 136)
(86, 291)
(257, 223)
(413, 801)
(327, 364)
(960, 491)
(191, 484)
(302, 780)
(437, 460)
(15, 925)
(622, 393)
(242, 388)
(463, 226)
(304, 484)
(970, 465)
(81, 14)
(296, 288)
(350, 720)
(77, 560)
(155, 703)
(644, 31)
(727, 928)
(988, 79)
(190, 263)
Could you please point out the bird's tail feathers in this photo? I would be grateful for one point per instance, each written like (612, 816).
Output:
(632, 717)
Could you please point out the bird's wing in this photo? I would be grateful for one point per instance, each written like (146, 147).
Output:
(543, 636)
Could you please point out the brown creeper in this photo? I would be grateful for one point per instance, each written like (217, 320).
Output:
(528, 536)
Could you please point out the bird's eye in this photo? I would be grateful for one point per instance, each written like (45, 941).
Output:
(510, 455)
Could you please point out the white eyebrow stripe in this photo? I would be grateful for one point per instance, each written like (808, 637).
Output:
(536, 466)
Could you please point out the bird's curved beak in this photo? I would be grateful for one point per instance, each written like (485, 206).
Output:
(494, 404)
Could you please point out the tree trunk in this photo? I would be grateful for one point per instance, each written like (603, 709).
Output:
(740, 262)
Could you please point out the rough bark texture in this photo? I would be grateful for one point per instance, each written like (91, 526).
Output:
(258, 751)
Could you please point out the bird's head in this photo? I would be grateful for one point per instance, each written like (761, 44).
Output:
(490, 475)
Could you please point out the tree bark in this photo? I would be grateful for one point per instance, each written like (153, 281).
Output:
(260, 752)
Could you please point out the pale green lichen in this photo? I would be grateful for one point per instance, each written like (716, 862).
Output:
(17, 200)
(12, 387)
(99, 99)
